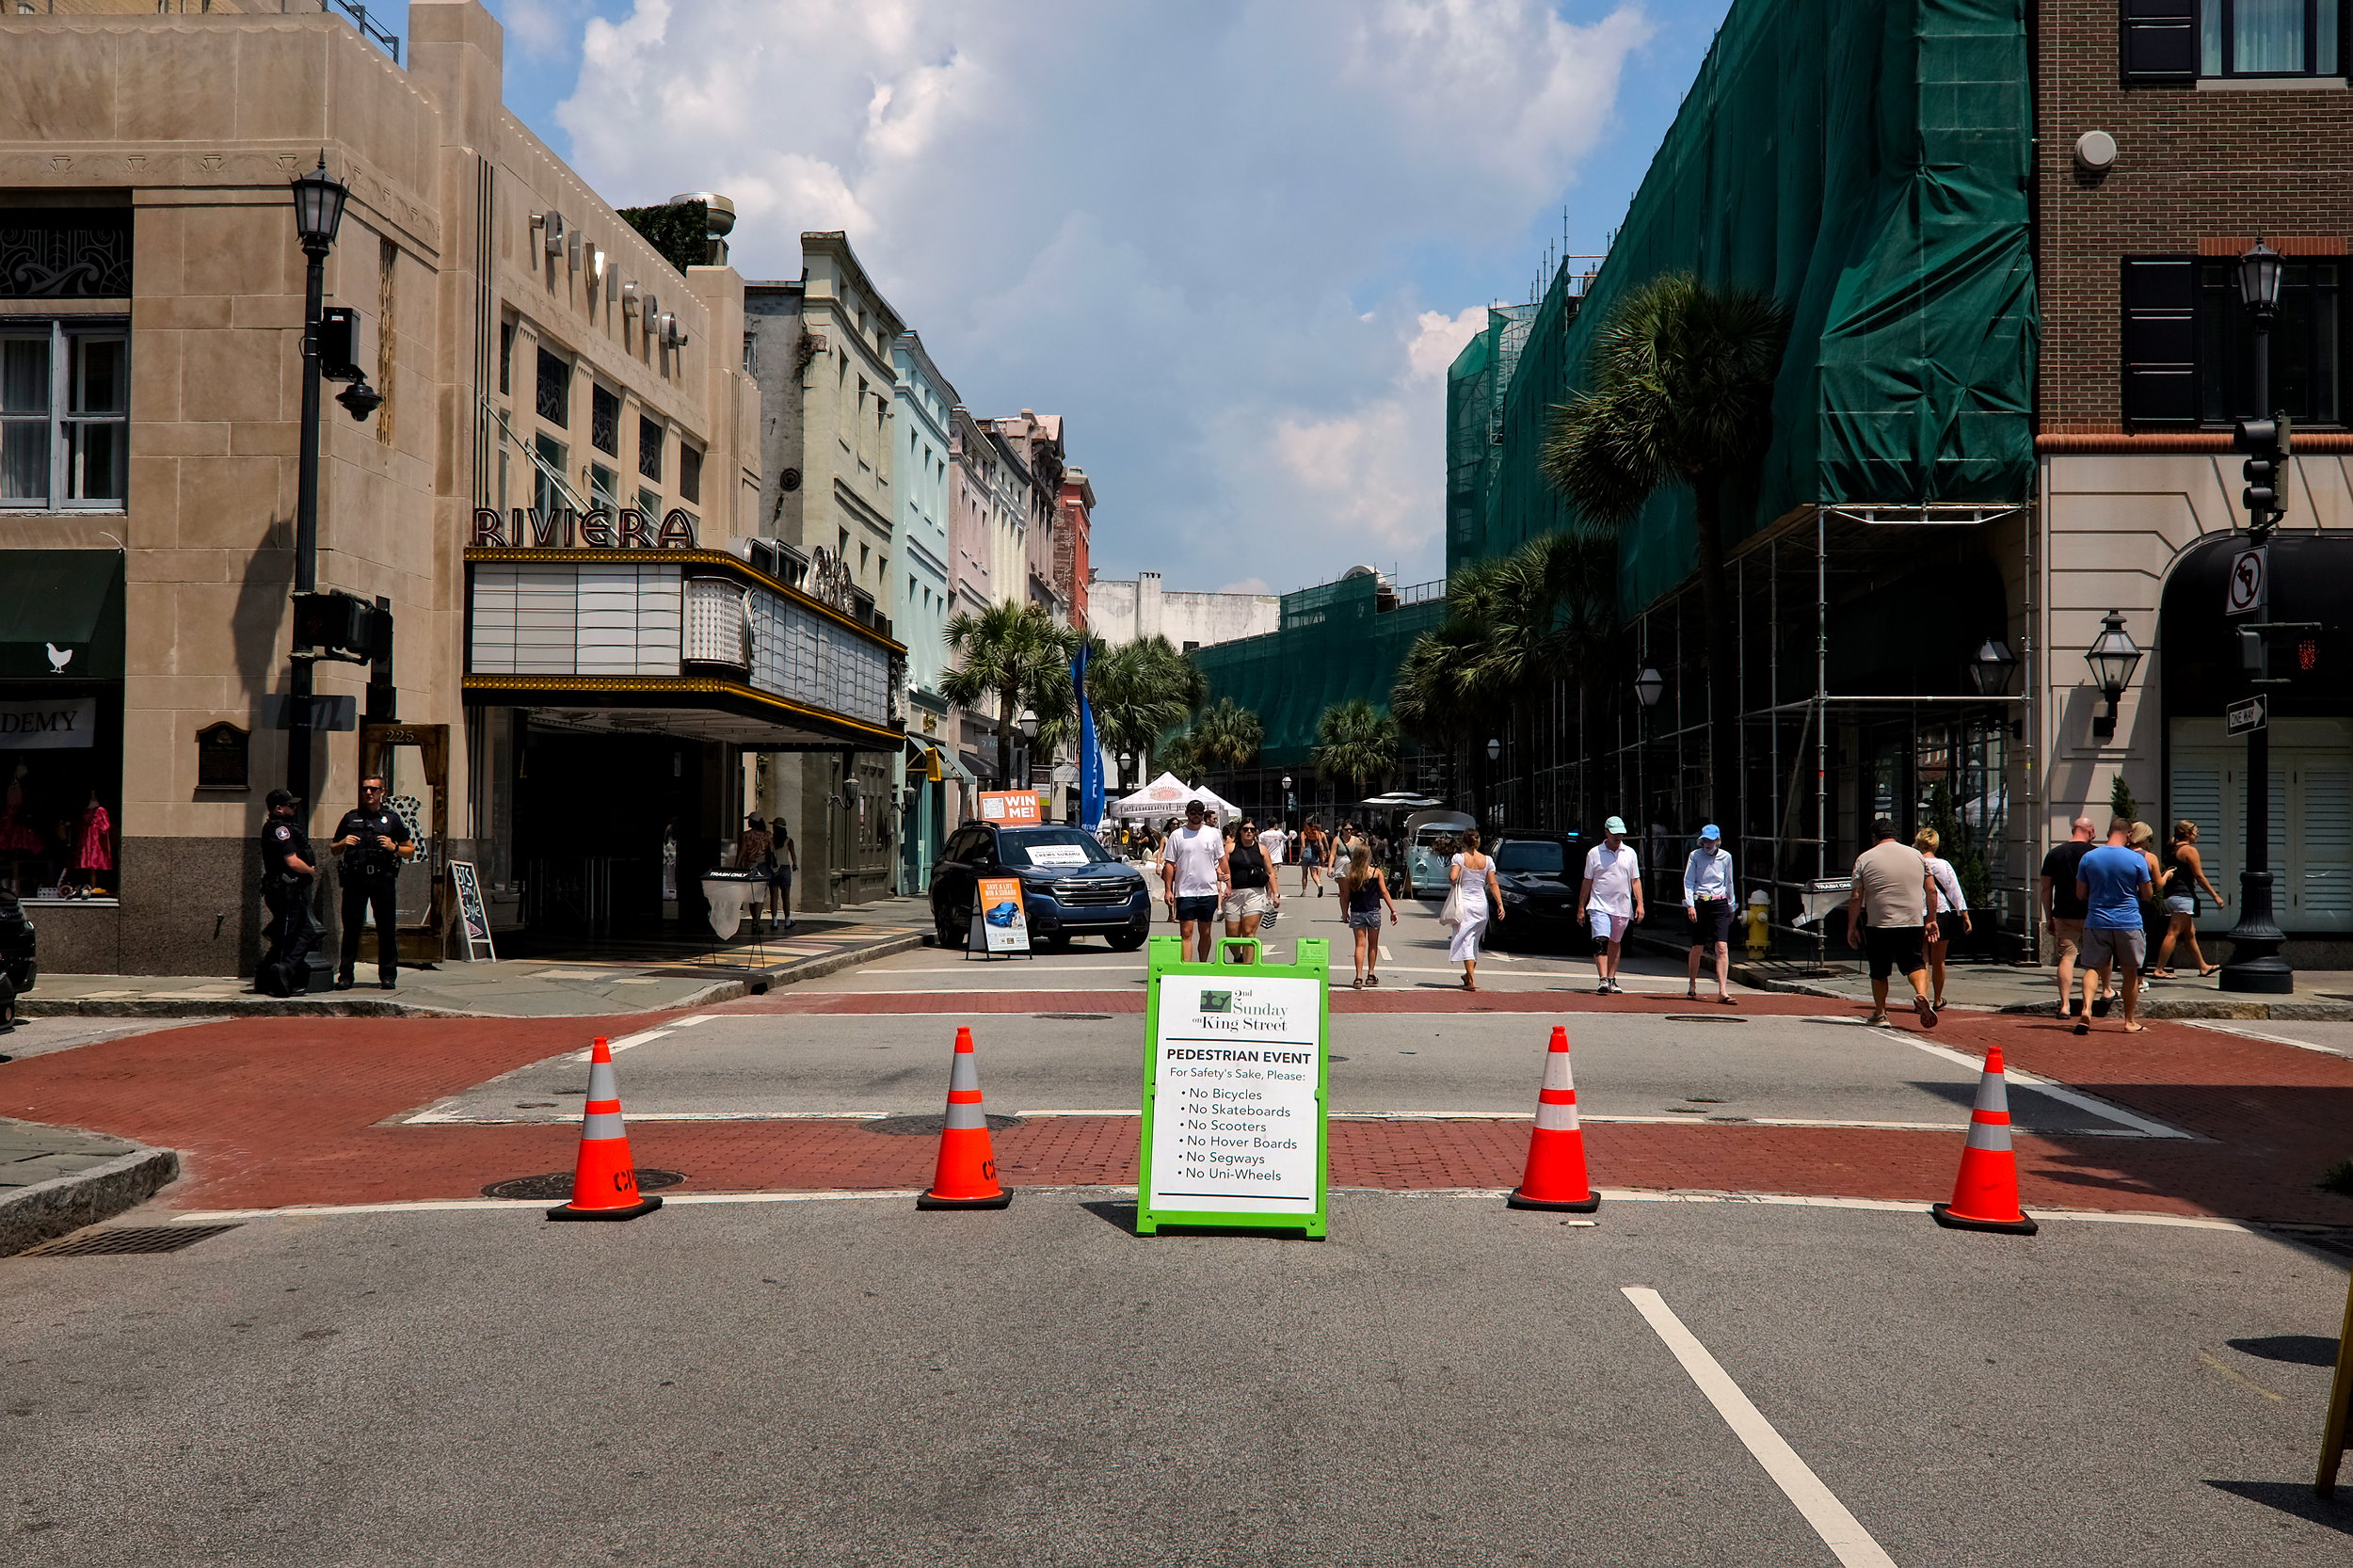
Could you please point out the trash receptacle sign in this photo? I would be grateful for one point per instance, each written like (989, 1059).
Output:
(1233, 1129)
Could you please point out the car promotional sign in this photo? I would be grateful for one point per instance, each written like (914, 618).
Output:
(1000, 922)
(1011, 807)
(1234, 1091)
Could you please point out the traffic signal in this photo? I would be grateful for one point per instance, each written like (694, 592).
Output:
(2255, 654)
(2262, 473)
(341, 627)
(2256, 434)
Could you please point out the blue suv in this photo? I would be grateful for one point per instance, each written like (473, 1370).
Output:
(1070, 886)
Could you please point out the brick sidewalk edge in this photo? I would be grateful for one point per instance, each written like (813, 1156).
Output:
(340, 1007)
(2246, 1011)
(50, 1208)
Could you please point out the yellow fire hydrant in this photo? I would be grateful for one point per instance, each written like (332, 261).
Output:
(1758, 938)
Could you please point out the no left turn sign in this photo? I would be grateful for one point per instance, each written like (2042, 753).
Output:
(2250, 572)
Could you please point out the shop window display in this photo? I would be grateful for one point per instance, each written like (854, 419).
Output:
(57, 837)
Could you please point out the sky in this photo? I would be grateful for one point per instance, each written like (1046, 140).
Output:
(1234, 243)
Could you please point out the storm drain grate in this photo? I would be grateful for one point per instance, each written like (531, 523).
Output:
(1090, 1017)
(929, 1126)
(1703, 1019)
(125, 1239)
(559, 1184)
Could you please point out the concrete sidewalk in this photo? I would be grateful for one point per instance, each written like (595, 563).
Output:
(612, 979)
(55, 1179)
(2321, 995)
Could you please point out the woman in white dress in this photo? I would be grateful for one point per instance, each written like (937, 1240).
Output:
(1948, 903)
(1478, 898)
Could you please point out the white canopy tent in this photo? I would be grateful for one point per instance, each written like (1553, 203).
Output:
(1166, 796)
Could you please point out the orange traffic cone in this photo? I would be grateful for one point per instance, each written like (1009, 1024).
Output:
(967, 1175)
(604, 1182)
(1555, 1178)
(1986, 1195)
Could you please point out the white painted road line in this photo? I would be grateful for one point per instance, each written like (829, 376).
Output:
(2024, 1079)
(2243, 1031)
(1839, 1529)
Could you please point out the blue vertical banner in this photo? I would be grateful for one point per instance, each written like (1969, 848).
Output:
(1090, 754)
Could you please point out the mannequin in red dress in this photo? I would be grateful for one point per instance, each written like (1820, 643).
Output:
(94, 845)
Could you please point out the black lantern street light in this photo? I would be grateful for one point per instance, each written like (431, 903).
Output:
(318, 204)
(327, 354)
(1289, 801)
(1990, 668)
(1649, 686)
(2256, 964)
(2113, 656)
(1029, 743)
(1127, 762)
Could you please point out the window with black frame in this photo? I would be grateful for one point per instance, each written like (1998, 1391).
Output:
(2180, 42)
(555, 390)
(2188, 352)
(2306, 337)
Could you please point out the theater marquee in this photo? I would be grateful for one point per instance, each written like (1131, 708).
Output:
(594, 529)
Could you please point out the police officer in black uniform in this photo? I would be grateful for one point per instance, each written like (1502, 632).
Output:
(288, 868)
(371, 843)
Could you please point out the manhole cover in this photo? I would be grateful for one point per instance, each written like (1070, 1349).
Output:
(1092, 1018)
(559, 1184)
(124, 1238)
(1703, 1019)
(929, 1126)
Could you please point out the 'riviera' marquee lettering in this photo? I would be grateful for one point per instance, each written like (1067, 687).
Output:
(595, 529)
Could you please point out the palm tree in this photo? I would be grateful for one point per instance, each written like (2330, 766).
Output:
(1227, 736)
(1544, 614)
(1015, 654)
(1356, 745)
(1681, 392)
(1141, 691)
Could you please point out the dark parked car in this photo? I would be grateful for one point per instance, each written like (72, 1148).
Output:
(1538, 873)
(1070, 886)
(17, 965)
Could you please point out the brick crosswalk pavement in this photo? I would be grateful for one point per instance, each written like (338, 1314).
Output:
(273, 1113)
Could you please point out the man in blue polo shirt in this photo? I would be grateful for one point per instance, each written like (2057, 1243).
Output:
(2112, 880)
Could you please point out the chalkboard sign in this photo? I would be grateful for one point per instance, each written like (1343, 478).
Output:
(220, 758)
(473, 920)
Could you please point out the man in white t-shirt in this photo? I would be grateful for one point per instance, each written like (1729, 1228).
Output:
(1271, 841)
(1192, 876)
(1610, 900)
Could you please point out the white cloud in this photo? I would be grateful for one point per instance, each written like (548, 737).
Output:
(1192, 231)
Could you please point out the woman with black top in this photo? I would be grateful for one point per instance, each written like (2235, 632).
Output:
(1251, 894)
(1364, 890)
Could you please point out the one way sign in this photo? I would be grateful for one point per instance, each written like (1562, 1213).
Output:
(2243, 718)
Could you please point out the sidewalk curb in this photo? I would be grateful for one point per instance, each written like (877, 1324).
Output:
(2246, 1012)
(369, 1007)
(50, 1208)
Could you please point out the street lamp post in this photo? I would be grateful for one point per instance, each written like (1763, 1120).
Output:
(318, 204)
(1289, 801)
(1487, 789)
(1127, 762)
(2256, 964)
(1029, 748)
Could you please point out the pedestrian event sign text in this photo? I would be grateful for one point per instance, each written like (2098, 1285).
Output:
(1234, 1091)
(1000, 922)
(1011, 807)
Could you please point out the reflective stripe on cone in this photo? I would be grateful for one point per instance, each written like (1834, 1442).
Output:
(604, 1177)
(966, 1176)
(1985, 1194)
(1554, 1178)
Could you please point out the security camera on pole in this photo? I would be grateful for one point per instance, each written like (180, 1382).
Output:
(2255, 962)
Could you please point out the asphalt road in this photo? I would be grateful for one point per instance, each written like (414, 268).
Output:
(1444, 1382)
(1726, 1065)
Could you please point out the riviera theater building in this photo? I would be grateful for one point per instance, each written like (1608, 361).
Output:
(555, 501)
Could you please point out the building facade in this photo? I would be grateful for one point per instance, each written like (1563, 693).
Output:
(828, 380)
(923, 404)
(1127, 610)
(554, 500)
(1034, 442)
(1074, 529)
(2169, 146)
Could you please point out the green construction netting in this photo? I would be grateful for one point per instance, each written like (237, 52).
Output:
(1868, 166)
(1336, 644)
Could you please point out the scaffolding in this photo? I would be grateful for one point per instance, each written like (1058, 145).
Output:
(1838, 723)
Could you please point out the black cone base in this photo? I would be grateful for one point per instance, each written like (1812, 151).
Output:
(643, 1205)
(2023, 1226)
(926, 1201)
(1585, 1205)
